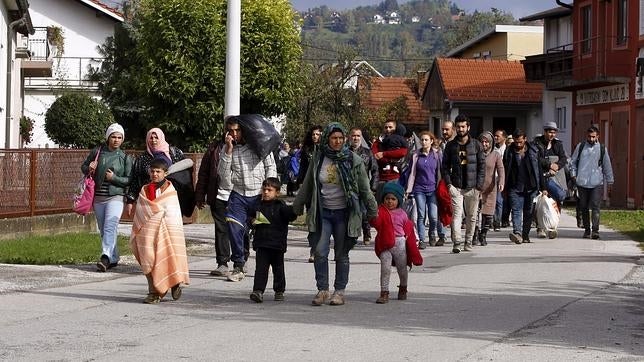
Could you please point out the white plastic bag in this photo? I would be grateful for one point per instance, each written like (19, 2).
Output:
(547, 212)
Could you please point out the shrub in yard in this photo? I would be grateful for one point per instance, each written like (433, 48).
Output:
(77, 120)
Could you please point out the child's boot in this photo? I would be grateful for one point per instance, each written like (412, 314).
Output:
(384, 298)
(402, 292)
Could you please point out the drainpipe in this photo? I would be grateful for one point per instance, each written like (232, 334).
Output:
(564, 4)
(10, 36)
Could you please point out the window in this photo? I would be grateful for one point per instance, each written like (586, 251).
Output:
(586, 30)
(622, 22)
(560, 118)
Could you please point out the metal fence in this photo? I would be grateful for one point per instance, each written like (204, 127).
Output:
(42, 181)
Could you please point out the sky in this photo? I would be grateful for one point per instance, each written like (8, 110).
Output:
(518, 8)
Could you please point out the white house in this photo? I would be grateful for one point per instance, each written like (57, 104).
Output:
(554, 63)
(378, 19)
(393, 18)
(15, 23)
(85, 25)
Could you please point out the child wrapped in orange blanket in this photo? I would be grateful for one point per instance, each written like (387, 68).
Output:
(157, 240)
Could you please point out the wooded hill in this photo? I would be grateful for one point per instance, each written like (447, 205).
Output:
(397, 39)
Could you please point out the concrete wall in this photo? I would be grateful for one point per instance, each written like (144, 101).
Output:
(45, 225)
(520, 45)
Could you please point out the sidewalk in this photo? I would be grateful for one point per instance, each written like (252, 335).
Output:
(562, 299)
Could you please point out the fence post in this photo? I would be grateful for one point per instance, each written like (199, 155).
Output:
(32, 182)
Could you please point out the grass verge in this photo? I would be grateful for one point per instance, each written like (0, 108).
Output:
(59, 249)
(628, 222)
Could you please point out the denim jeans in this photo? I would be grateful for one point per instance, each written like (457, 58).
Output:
(222, 242)
(333, 223)
(590, 199)
(426, 201)
(463, 201)
(498, 210)
(237, 219)
(522, 210)
(108, 212)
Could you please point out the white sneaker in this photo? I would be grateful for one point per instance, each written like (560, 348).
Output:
(221, 271)
(236, 275)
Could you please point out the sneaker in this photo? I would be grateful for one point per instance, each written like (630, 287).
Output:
(456, 250)
(311, 259)
(505, 224)
(176, 292)
(320, 298)
(552, 234)
(103, 264)
(516, 238)
(221, 271)
(496, 226)
(526, 240)
(580, 224)
(422, 245)
(541, 234)
(467, 247)
(152, 298)
(366, 239)
(441, 241)
(432, 241)
(279, 296)
(337, 298)
(595, 235)
(236, 275)
(257, 296)
(586, 235)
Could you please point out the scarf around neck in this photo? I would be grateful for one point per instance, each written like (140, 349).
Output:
(342, 159)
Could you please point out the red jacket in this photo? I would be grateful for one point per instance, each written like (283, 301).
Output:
(444, 203)
(385, 238)
(386, 164)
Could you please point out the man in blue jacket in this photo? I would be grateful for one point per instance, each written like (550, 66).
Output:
(590, 168)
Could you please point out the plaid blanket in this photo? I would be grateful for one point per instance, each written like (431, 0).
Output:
(157, 240)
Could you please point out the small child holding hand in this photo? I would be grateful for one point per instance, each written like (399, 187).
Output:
(395, 241)
(271, 219)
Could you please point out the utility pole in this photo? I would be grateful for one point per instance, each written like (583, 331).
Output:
(233, 55)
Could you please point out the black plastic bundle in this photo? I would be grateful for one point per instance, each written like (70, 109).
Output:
(258, 132)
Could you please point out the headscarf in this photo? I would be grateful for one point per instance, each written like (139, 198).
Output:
(162, 149)
(342, 159)
(114, 127)
(487, 135)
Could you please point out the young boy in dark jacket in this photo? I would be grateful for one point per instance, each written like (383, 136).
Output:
(271, 219)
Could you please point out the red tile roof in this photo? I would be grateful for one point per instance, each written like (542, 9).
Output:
(384, 90)
(109, 9)
(487, 81)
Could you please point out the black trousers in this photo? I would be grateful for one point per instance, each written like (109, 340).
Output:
(273, 258)
(222, 242)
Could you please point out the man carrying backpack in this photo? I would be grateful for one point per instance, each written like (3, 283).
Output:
(590, 167)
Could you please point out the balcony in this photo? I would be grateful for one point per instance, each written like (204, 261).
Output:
(36, 51)
(68, 72)
(565, 68)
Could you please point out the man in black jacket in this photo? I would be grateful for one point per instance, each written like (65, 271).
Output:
(552, 160)
(463, 170)
(523, 180)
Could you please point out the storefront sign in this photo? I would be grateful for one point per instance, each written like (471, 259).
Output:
(615, 93)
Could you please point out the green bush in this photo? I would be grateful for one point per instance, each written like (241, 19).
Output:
(77, 120)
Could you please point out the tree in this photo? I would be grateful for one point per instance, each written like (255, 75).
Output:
(77, 120)
(471, 26)
(166, 66)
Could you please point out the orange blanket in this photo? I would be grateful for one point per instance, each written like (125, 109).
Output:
(157, 239)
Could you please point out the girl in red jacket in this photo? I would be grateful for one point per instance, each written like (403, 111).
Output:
(395, 241)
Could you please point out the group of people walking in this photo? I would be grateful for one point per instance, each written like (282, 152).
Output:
(341, 180)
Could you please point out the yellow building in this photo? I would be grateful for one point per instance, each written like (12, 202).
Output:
(503, 42)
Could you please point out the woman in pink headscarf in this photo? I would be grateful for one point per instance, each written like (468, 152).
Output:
(156, 147)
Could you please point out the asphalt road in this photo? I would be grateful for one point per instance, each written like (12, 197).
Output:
(551, 300)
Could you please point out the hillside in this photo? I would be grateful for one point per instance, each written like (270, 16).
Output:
(397, 39)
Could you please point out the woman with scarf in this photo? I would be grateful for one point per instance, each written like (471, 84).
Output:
(156, 147)
(335, 183)
(112, 172)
